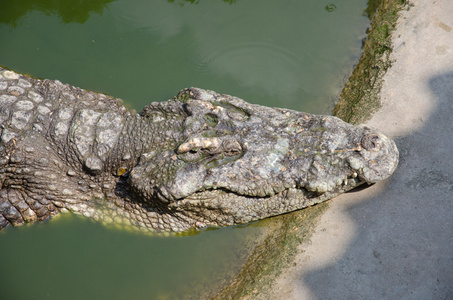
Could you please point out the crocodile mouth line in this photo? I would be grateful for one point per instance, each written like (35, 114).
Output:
(211, 193)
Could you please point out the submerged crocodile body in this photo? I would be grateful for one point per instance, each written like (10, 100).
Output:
(200, 159)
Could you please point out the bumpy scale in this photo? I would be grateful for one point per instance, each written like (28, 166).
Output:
(200, 159)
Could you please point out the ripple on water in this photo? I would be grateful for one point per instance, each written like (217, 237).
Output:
(259, 55)
(266, 66)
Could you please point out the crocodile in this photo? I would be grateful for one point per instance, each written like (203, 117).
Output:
(198, 160)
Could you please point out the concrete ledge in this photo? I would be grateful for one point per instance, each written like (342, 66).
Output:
(394, 240)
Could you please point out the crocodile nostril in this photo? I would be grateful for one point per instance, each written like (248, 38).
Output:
(371, 142)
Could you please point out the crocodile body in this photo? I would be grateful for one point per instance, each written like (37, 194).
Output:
(200, 159)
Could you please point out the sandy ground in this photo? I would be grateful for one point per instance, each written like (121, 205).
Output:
(394, 240)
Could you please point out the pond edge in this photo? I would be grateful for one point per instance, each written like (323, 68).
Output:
(359, 99)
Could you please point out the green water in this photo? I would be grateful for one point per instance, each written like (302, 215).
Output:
(74, 258)
(294, 54)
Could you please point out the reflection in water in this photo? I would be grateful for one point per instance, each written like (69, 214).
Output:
(372, 6)
(77, 11)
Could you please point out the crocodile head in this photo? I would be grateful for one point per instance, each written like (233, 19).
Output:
(236, 162)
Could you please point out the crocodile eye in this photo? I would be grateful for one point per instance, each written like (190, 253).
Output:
(234, 112)
(238, 115)
(193, 155)
(231, 147)
(231, 150)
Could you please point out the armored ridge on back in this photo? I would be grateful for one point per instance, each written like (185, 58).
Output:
(200, 159)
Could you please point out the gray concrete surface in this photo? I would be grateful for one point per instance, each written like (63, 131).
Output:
(394, 240)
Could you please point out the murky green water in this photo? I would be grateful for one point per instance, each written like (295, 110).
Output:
(293, 54)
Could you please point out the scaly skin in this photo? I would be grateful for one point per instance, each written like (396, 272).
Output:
(200, 159)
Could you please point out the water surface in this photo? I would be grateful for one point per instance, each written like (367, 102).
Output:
(293, 54)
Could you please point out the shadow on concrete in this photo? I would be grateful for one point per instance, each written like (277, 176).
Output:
(403, 248)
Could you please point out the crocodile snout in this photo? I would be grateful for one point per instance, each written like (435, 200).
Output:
(380, 157)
